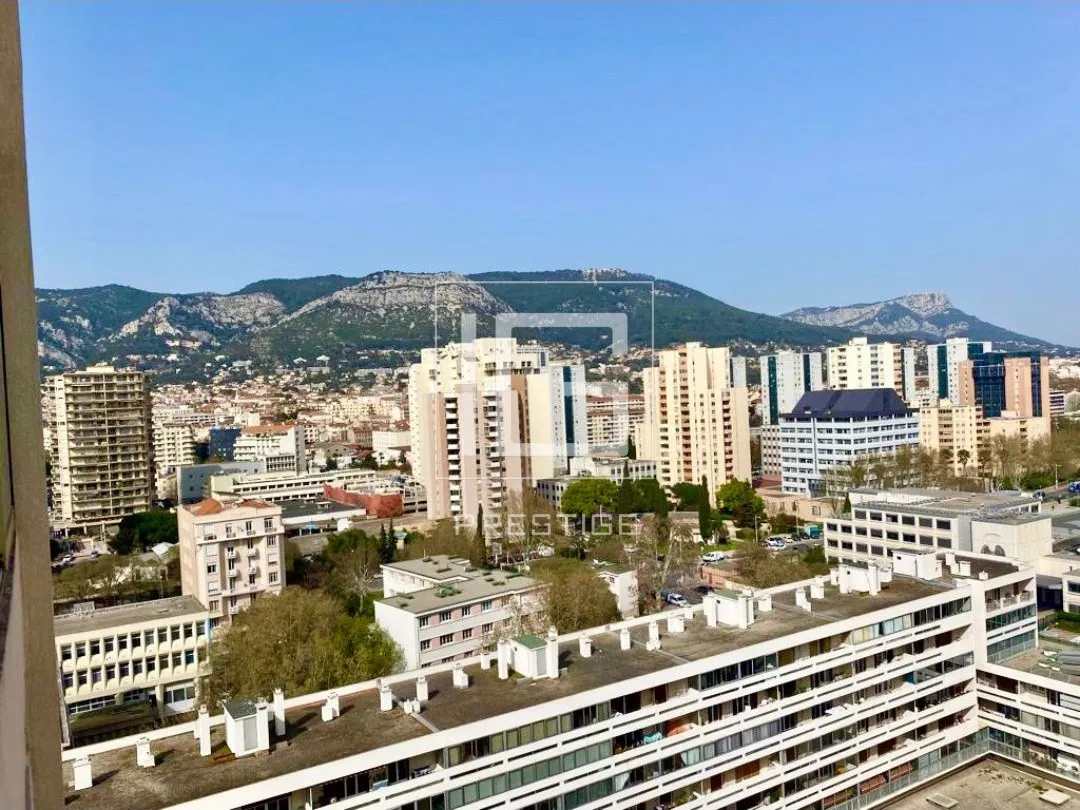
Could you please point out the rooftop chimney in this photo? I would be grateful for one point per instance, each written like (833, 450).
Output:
(624, 639)
(504, 658)
(386, 697)
(801, 601)
(461, 677)
(421, 689)
(676, 623)
(202, 731)
(83, 771)
(552, 663)
(279, 713)
(143, 757)
(585, 647)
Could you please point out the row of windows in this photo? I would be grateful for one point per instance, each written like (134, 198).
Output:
(1010, 617)
(486, 606)
(450, 638)
(124, 641)
(124, 669)
(905, 520)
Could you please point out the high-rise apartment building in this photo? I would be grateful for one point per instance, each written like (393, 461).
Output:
(952, 431)
(1018, 382)
(483, 415)
(827, 430)
(861, 364)
(101, 450)
(738, 372)
(30, 772)
(943, 365)
(785, 377)
(231, 553)
(282, 447)
(695, 423)
(612, 420)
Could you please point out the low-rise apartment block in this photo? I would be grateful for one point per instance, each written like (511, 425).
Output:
(281, 447)
(613, 469)
(441, 609)
(231, 553)
(148, 651)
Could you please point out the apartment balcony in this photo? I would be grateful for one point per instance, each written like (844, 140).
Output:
(253, 551)
(233, 573)
(231, 553)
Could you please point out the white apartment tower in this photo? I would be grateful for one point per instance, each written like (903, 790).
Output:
(861, 364)
(101, 446)
(231, 553)
(695, 424)
(484, 416)
(785, 377)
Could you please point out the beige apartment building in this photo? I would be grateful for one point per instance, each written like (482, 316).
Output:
(231, 553)
(695, 423)
(281, 447)
(861, 364)
(130, 653)
(101, 446)
(1019, 384)
(483, 415)
(953, 431)
(1010, 425)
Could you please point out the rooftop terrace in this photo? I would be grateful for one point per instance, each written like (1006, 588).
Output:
(182, 775)
(988, 784)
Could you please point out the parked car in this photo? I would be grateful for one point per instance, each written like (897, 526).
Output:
(777, 542)
(1074, 487)
(713, 556)
(678, 600)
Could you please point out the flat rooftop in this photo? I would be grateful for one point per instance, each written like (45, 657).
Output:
(947, 503)
(437, 567)
(462, 591)
(101, 618)
(988, 785)
(312, 509)
(1036, 662)
(182, 775)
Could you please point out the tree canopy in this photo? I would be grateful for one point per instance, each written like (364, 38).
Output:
(144, 530)
(738, 500)
(575, 597)
(301, 641)
(589, 496)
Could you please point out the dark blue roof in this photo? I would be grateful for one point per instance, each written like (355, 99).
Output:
(849, 403)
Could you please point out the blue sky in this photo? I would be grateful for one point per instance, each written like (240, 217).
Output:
(771, 155)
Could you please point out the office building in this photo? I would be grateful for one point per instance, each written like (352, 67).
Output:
(612, 419)
(483, 415)
(843, 694)
(1057, 402)
(952, 431)
(101, 452)
(884, 522)
(30, 771)
(695, 423)
(231, 553)
(943, 365)
(828, 430)
(861, 364)
(1018, 382)
(193, 480)
(147, 651)
(785, 377)
(441, 609)
(223, 443)
(281, 447)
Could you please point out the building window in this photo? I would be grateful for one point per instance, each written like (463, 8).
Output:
(909, 538)
(109, 644)
(232, 565)
(944, 524)
(465, 611)
(268, 524)
(486, 605)
(273, 577)
(926, 540)
(215, 605)
(69, 681)
(446, 639)
(151, 664)
(82, 677)
(251, 578)
(892, 536)
(860, 514)
(174, 632)
(211, 568)
(65, 651)
(122, 642)
(110, 672)
(136, 640)
(875, 516)
(424, 621)
(124, 670)
(908, 520)
(189, 657)
(926, 523)
(425, 645)
(467, 633)
(944, 542)
(136, 667)
(95, 647)
(271, 541)
(148, 637)
(95, 675)
(445, 615)
(487, 628)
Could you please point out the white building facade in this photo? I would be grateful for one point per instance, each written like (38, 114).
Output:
(281, 447)
(785, 377)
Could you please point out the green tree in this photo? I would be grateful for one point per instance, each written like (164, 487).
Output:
(650, 497)
(301, 641)
(587, 497)
(331, 464)
(575, 597)
(479, 554)
(387, 543)
(354, 564)
(688, 495)
(143, 530)
(631, 448)
(738, 500)
(626, 498)
(704, 511)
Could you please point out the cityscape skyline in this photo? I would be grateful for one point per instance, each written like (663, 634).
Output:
(737, 150)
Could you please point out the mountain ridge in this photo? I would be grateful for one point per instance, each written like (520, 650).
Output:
(926, 316)
(275, 321)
